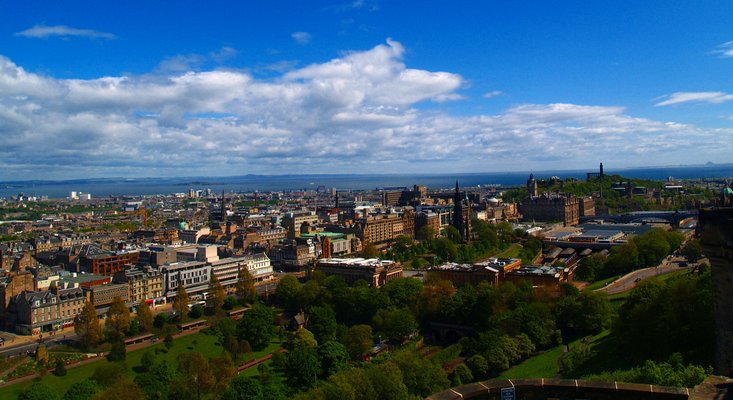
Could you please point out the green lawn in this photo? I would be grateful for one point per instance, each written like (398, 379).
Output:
(544, 365)
(206, 344)
(599, 284)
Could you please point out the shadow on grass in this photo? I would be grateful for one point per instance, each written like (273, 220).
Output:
(607, 354)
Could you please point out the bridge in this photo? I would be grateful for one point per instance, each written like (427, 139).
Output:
(672, 217)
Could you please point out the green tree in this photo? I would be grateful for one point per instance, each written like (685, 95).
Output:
(322, 322)
(478, 365)
(692, 250)
(82, 390)
(333, 358)
(426, 233)
(300, 337)
(302, 367)
(146, 361)
(195, 374)
(38, 391)
(395, 323)
(358, 341)
(197, 311)
(403, 292)
(224, 370)
(288, 290)
(87, 326)
(122, 390)
(256, 326)
(462, 374)
(118, 318)
(387, 380)
(246, 286)
(60, 369)
(109, 373)
(155, 382)
(452, 233)
(180, 303)
(217, 294)
(145, 317)
(370, 251)
(421, 376)
(118, 352)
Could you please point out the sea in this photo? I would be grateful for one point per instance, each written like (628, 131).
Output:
(106, 187)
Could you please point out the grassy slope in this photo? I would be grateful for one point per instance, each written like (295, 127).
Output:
(206, 344)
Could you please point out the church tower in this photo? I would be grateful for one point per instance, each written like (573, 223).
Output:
(532, 190)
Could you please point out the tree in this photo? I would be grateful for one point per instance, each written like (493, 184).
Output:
(452, 233)
(122, 390)
(195, 373)
(229, 303)
(217, 294)
(156, 381)
(387, 380)
(41, 355)
(404, 292)
(358, 340)
(60, 369)
(426, 233)
(197, 311)
(231, 345)
(256, 326)
(322, 322)
(462, 375)
(478, 365)
(87, 326)
(180, 303)
(145, 317)
(118, 352)
(224, 370)
(160, 320)
(109, 373)
(302, 366)
(395, 323)
(82, 390)
(118, 318)
(421, 376)
(370, 251)
(246, 286)
(249, 388)
(38, 391)
(692, 250)
(287, 292)
(147, 361)
(333, 358)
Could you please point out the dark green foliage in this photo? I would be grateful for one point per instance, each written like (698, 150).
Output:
(463, 374)
(302, 367)
(420, 376)
(333, 358)
(692, 250)
(478, 365)
(395, 323)
(38, 391)
(498, 350)
(156, 380)
(160, 320)
(358, 341)
(118, 352)
(249, 388)
(82, 390)
(256, 326)
(322, 322)
(230, 302)
(403, 293)
(197, 311)
(660, 318)
(146, 361)
(670, 373)
(107, 374)
(585, 313)
(60, 369)
(288, 290)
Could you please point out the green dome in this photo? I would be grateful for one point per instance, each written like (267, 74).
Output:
(727, 191)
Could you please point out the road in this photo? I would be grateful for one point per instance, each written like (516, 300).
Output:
(630, 280)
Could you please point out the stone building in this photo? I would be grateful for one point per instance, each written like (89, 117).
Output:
(374, 271)
(32, 313)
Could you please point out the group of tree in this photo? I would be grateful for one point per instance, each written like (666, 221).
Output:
(642, 251)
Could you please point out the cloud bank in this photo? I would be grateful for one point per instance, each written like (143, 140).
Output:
(365, 111)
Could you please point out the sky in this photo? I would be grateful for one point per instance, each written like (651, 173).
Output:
(220, 88)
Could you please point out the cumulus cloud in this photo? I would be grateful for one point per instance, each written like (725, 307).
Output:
(695, 97)
(42, 31)
(361, 112)
(301, 37)
(493, 93)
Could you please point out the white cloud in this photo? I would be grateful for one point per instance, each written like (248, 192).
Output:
(493, 93)
(301, 37)
(355, 113)
(42, 31)
(725, 49)
(694, 97)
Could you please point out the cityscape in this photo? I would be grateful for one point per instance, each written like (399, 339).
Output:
(365, 200)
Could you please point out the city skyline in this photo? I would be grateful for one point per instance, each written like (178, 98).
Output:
(89, 90)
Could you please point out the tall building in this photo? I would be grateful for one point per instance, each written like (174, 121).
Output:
(532, 189)
(462, 213)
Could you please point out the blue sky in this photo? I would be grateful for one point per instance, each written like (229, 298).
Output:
(228, 88)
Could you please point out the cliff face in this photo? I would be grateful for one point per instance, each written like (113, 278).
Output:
(716, 237)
